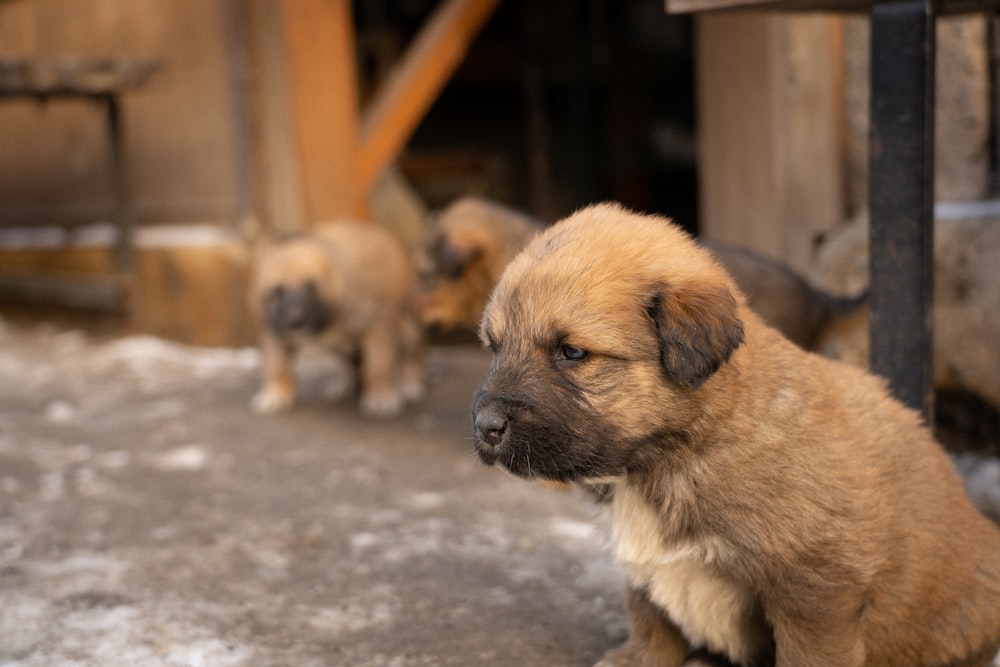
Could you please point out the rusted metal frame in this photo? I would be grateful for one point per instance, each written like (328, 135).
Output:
(901, 193)
(101, 81)
(103, 295)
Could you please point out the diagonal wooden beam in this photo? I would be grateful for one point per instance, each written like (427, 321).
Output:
(403, 101)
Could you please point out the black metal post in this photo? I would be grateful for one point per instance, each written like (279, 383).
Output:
(124, 205)
(901, 194)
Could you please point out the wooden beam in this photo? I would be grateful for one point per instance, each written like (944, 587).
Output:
(769, 135)
(412, 87)
(319, 36)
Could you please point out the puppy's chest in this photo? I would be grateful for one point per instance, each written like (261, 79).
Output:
(686, 578)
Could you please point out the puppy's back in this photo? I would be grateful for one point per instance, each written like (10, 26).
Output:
(870, 470)
(375, 263)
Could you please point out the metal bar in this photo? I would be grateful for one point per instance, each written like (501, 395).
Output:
(124, 206)
(901, 187)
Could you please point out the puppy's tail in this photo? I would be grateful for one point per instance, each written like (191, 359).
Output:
(843, 306)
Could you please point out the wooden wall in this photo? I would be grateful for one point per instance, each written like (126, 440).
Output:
(54, 166)
(783, 124)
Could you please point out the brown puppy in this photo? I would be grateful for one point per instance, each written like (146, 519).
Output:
(346, 287)
(769, 506)
(469, 244)
(466, 248)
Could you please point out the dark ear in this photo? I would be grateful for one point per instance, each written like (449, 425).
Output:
(698, 331)
(453, 260)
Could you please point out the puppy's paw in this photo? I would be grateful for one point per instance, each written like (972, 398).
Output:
(271, 400)
(381, 404)
(627, 655)
(635, 653)
(413, 390)
(613, 662)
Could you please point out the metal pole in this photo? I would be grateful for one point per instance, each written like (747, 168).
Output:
(901, 187)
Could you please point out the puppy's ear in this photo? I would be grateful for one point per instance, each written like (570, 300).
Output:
(452, 260)
(698, 330)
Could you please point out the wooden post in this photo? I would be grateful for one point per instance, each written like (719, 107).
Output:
(768, 130)
(319, 36)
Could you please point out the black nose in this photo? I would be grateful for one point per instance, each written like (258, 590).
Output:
(491, 426)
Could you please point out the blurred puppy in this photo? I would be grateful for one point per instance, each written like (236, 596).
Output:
(784, 299)
(769, 506)
(465, 250)
(346, 287)
(468, 246)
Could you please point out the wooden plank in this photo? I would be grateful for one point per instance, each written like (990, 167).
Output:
(280, 205)
(411, 89)
(946, 7)
(770, 136)
(319, 36)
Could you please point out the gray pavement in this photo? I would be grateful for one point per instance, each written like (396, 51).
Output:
(148, 517)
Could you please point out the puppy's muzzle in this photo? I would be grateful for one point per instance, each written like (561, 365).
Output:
(293, 308)
(491, 425)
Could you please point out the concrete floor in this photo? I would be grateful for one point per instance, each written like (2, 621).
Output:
(149, 518)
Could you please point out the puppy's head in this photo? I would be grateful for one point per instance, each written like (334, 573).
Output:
(294, 290)
(296, 308)
(607, 333)
(453, 285)
(464, 252)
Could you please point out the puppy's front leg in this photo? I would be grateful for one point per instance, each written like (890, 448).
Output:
(380, 395)
(654, 641)
(412, 372)
(820, 640)
(277, 391)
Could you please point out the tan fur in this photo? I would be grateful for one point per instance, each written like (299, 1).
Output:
(364, 277)
(486, 235)
(474, 238)
(767, 504)
(784, 299)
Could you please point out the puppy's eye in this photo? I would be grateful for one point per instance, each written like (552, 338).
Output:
(490, 343)
(572, 353)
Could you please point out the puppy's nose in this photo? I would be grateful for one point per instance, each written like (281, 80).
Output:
(491, 426)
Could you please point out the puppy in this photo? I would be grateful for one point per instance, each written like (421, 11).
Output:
(769, 506)
(346, 288)
(466, 248)
(785, 299)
